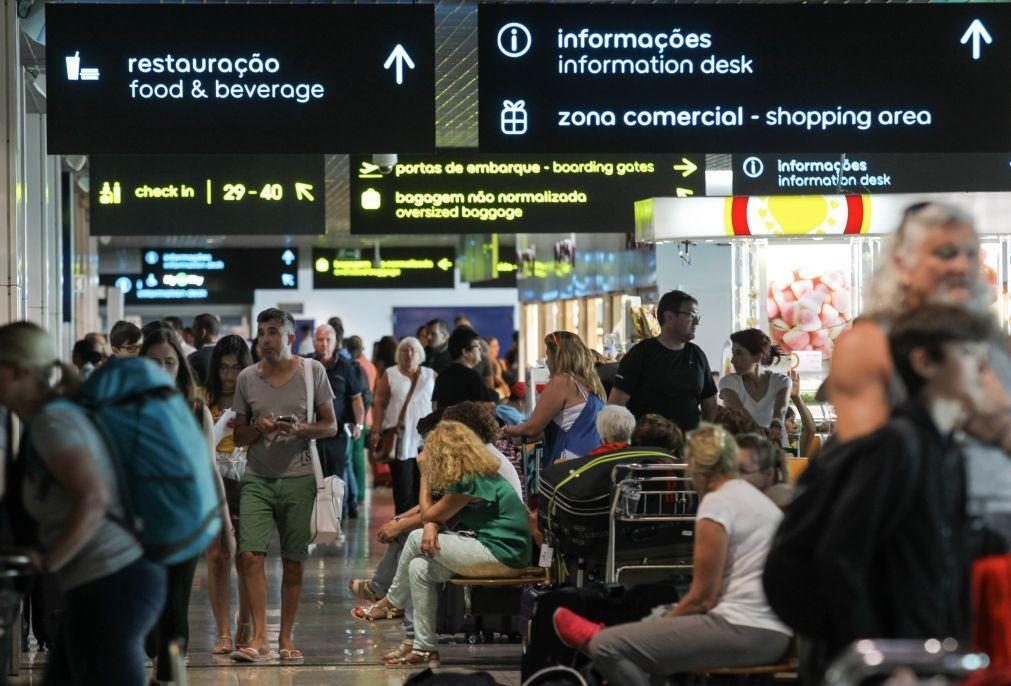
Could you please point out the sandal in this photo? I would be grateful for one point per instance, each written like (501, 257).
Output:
(400, 651)
(362, 588)
(291, 656)
(376, 613)
(415, 659)
(243, 634)
(224, 646)
(248, 654)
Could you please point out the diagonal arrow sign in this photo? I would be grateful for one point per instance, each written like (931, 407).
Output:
(400, 56)
(684, 192)
(976, 32)
(687, 167)
(303, 191)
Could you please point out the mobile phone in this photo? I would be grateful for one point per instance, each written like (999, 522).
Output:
(287, 418)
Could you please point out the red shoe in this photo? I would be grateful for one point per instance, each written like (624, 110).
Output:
(573, 630)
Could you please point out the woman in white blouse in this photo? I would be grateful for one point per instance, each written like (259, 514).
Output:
(762, 393)
(392, 391)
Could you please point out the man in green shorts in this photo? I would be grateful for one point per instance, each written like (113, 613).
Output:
(279, 488)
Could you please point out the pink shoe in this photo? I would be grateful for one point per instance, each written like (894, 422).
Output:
(573, 630)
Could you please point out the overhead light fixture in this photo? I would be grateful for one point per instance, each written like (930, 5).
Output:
(75, 162)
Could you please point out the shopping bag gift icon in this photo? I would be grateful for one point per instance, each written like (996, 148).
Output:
(513, 120)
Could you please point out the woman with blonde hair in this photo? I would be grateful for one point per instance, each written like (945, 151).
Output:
(498, 541)
(567, 410)
(111, 593)
(724, 620)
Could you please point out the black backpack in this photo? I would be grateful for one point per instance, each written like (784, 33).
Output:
(791, 578)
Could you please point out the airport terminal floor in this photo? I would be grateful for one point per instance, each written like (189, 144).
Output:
(338, 648)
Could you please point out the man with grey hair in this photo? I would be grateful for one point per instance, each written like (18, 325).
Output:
(279, 487)
(933, 258)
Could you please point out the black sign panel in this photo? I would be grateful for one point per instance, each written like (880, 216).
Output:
(745, 78)
(226, 276)
(508, 265)
(240, 78)
(207, 194)
(398, 268)
(467, 192)
(856, 173)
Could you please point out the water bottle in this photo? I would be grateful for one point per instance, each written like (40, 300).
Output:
(633, 492)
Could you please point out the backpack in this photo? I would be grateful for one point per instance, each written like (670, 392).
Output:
(166, 481)
(791, 577)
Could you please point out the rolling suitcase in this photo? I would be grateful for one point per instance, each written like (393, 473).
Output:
(574, 503)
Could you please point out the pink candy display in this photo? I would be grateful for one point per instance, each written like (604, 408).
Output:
(809, 311)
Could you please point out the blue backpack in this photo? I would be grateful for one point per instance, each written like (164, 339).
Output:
(166, 479)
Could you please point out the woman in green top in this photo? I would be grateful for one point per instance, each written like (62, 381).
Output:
(497, 542)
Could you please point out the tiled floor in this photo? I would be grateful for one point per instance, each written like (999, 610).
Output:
(338, 648)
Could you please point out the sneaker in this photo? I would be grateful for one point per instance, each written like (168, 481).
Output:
(573, 630)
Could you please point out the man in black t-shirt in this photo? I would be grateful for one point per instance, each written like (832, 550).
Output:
(437, 355)
(459, 382)
(668, 375)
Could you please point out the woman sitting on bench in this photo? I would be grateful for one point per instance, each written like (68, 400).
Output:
(497, 544)
(724, 620)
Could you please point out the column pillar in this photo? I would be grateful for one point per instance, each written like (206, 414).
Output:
(13, 303)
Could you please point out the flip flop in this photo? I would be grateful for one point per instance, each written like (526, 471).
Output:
(363, 613)
(292, 656)
(248, 654)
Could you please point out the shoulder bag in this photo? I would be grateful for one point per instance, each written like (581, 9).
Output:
(325, 526)
(389, 439)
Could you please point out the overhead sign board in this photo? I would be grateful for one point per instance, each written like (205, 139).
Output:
(870, 173)
(466, 192)
(225, 276)
(396, 268)
(267, 78)
(207, 195)
(744, 78)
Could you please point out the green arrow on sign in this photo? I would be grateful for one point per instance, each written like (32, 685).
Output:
(445, 264)
(302, 191)
(684, 192)
(687, 167)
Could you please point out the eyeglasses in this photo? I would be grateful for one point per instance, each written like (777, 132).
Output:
(696, 317)
(130, 347)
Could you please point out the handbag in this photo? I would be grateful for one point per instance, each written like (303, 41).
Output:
(389, 439)
(325, 525)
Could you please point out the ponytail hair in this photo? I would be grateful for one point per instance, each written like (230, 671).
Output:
(758, 343)
(27, 346)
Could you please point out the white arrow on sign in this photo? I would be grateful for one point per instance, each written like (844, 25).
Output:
(400, 56)
(976, 32)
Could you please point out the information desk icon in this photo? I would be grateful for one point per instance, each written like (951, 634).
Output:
(514, 39)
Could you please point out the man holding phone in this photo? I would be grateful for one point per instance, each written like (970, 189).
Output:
(279, 486)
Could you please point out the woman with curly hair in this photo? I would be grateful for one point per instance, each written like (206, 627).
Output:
(498, 541)
(567, 409)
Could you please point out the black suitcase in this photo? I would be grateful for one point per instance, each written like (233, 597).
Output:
(574, 501)
(611, 604)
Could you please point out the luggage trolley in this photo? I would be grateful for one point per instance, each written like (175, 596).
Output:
(656, 494)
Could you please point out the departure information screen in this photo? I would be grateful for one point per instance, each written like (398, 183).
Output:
(745, 78)
(221, 276)
(461, 191)
(268, 78)
(396, 268)
(207, 194)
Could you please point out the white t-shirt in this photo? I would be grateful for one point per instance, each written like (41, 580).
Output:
(760, 410)
(506, 470)
(750, 520)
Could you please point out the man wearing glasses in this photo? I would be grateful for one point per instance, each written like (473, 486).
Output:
(459, 382)
(668, 375)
